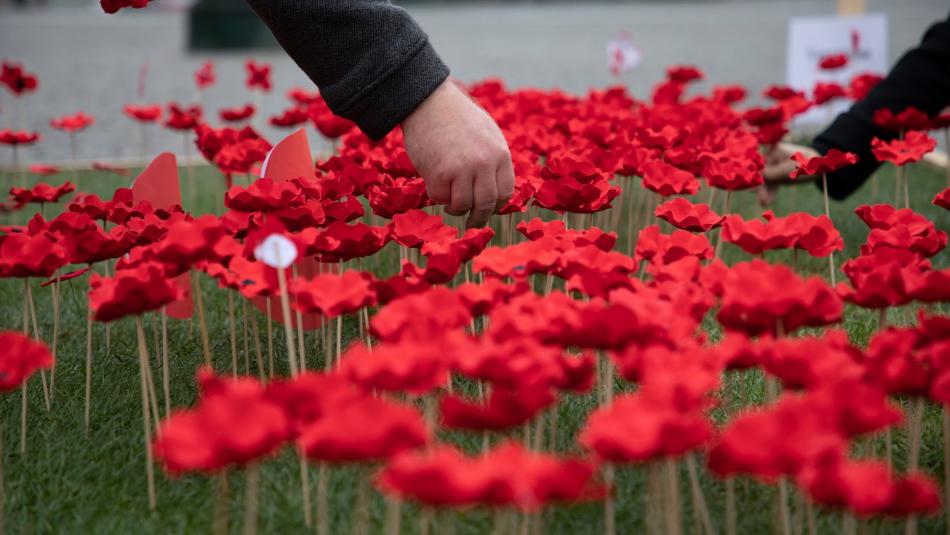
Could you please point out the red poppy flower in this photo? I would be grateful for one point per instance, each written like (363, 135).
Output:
(292, 116)
(684, 73)
(341, 241)
(239, 157)
(409, 317)
(131, 291)
(520, 260)
(333, 294)
(393, 196)
(26, 255)
(926, 241)
(683, 214)
(903, 151)
(668, 248)
(19, 137)
(342, 435)
(235, 423)
(931, 286)
(861, 85)
(89, 204)
(825, 92)
(905, 121)
(86, 242)
(833, 160)
(204, 75)
(758, 297)
(43, 169)
(263, 195)
(113, 6)
(21, 358)
(537, 229)
(833, 62)
(809, 362)
(73, 123)
(782, 92)
(258, 76)
(416, 367)
(188, 242)
(17, 80)
(329, 124)
(942, 199)
(236, 114)
(150, 113)
(66, 276)
(183, 118)
(881, 279)
(41, 193)
(667, 180)
(415, 227)
(732, 175)
(504, 409)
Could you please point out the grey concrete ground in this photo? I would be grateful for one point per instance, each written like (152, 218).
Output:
(90, 61)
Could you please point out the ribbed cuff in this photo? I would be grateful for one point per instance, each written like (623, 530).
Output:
(394, 96)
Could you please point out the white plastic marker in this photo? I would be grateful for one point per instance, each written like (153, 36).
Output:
(278, 252)
(622, 55)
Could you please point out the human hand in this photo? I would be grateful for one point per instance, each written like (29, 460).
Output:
(460, 153)
(778, 166)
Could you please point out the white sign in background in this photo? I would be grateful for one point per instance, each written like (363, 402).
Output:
(862, 37)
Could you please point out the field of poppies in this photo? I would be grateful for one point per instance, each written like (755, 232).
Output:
(276, 344)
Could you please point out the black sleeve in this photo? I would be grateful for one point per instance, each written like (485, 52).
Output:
(373, 64)
(921, 78)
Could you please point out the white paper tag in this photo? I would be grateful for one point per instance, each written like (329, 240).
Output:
(276, 251)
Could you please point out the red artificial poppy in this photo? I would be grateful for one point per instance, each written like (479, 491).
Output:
(504, 409)
(409, 317)
(861, 85)
(684, 73)
(416, 367)
(16, 79)
(520, 260)
(833, 160)
(683, 214)
(73, 123)
(903, 151)
(833, 62)
(149, 113)
(204, 75)
(21, 358)
(942, 199)
(66, 276)
(86, 242)
(333, 294)
(393, 196)
(188, 242)
(113, 6)
(536, 229)
(292, 116)
(41, 193)
(342, 435)
(926, 242)
(18, 137)
(43, 169)
(341, 241)
(825, 92)
(909, 119)
(258, 76)
(131, 291)
(183, 118)
(89, 204)
(415, 227)
(235, 423)
(782, 92)
(236, 114)
(667, 180)
(26, 255)
(263, 195)
(881, 279)
(660, 248)
(758, 297)
(809, 362)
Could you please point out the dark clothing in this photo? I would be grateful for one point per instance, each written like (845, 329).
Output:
(373, 64)
(921, 78)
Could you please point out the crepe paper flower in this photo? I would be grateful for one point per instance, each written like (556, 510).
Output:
(504, 409)
(806, 363)
(205, 75)
(239, 157)
(907, 120)
(234, 423)
(942, 199)
(17, 79)
(258, 76)
(816, 235)
(684, 73)
(182, 118)
(895, 365)
(508, 475)
(520, 260)
(342, 435)
(833, 160)
(188, 242)
(758, 297)
(931, 286)
(799, 230)
(393, 196)
(782, 92)
(310, 396)
(147, 113)
(667, 180)
(43, 169)
(729, 94)
(41, 193)
(660, 248)
(412, 228)
(236, 114)
(21, 358)
(881, 279)
(862, 83)
(263, 195)
(868, 487)
(113, 6)
(570, 195)
(926, 242)
(416, 367)
(89, 243)
(524, 363)
(90, 204)
(825, 92)
(536, 229)
(330, 125)
(333, 294)
(26, 255)
(131, 292)
(73, 123)
(903, 151)
(292, 116)
(633, 429)
(341, 241)
(18, 137)
(833, 62)
(407, 318)
(685, 215)
(66, 276)
(249, 277)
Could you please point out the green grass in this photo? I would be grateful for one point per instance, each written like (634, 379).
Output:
(70, 482)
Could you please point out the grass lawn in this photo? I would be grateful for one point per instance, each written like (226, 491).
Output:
(71, 482)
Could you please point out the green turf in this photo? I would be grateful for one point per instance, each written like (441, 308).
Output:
(69, 482)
